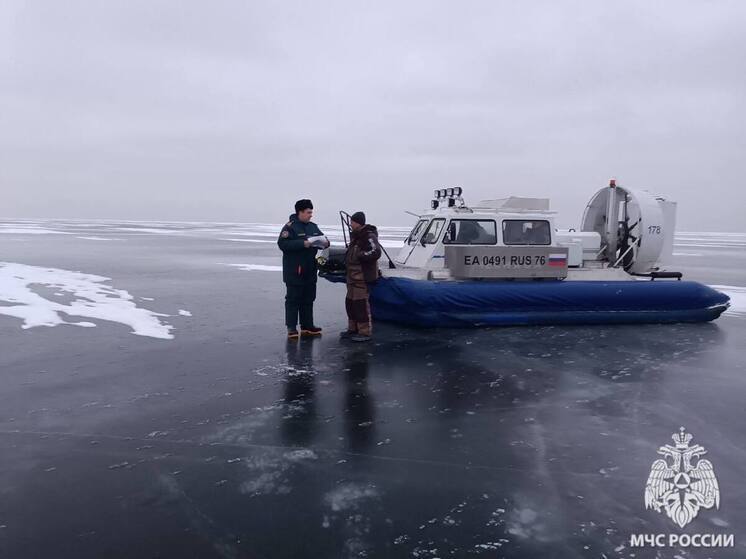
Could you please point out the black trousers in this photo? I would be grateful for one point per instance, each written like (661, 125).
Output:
(299, 304)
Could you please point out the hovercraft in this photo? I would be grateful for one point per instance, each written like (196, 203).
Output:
(503, 263)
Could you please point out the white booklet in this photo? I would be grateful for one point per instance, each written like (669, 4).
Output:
(319, 241)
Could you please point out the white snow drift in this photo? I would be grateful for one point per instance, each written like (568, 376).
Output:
(91, 299)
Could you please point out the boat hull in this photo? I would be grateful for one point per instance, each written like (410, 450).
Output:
(432, 304)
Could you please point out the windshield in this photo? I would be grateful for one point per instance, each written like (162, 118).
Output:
(415, 234)
(433, 231)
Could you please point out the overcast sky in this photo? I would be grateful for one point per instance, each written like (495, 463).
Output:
(230, 111)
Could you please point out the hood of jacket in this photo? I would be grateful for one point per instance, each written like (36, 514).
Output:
(364, 230)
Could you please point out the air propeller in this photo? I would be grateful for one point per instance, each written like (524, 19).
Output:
(635, 227)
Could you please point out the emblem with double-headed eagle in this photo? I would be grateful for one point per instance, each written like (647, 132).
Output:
(677, 486)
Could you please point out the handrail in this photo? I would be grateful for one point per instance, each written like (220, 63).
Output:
(345, 219)
(346, 228)
(626, 251)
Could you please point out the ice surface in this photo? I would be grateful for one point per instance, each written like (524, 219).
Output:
(710, 240)
(235, 442)
(250, 241)
(149, 230)
(257, 267)
(93, 299)
(30, 231)
(98, 239)
(389, 235)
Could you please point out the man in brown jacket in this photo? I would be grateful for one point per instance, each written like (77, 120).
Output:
(362, 270)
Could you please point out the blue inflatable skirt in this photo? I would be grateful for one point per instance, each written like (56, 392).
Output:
(432, 304)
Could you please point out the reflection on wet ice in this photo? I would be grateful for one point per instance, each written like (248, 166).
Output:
(299, 420)
(359, 412)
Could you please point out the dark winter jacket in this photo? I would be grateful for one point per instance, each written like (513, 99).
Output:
(362, 255)
(298, 262)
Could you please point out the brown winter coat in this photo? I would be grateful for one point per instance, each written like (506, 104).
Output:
(362, 255)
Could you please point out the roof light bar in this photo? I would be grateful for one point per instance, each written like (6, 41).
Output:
(448, 192)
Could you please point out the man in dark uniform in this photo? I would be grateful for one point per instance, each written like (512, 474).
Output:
(299, 270)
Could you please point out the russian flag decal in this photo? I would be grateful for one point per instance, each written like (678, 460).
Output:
(558, 260)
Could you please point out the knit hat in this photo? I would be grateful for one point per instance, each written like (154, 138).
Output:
(358, 217)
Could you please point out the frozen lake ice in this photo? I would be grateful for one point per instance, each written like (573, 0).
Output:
(207, 434)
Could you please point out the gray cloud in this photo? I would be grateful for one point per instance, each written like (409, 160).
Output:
(233, 110)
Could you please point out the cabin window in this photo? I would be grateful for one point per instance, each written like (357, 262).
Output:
(526, 232)
(415, 234)
(471, 232)
(432, 234)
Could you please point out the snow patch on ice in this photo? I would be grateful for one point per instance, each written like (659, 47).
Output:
(250, 241)
(709, 245)
(30, 231)
(348, 503)
(98, 239)
(737, 296)
(256, 267)
(149, 230)
(301, 454)
(241, 432)
(521, 523)
(271, 474)
(92, 299)
(349, 496)
(182, 312)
